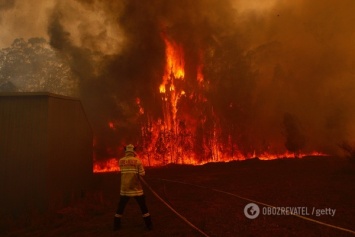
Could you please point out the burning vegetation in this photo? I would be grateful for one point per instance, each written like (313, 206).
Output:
(189, 130)
(191, 82)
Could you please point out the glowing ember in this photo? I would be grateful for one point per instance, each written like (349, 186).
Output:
(111, 125)
(138, 102)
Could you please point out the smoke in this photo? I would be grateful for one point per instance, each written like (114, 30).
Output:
(6, 4)
(304, 59)
(262, 60)
(23, 19)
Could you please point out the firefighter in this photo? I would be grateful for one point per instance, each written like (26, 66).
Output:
(131, 170)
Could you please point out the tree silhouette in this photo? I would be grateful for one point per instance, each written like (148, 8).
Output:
(295, 139)
(33, 66)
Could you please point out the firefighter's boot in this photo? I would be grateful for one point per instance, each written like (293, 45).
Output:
(116, 223)
(148, 221)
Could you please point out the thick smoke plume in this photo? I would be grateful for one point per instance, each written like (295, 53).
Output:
(269, 67)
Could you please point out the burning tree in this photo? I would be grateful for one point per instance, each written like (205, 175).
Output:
(191, 83)
(174, 137)
(189, 130)
(197, 123)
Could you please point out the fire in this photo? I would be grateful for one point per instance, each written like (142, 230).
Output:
(200, 77)
(189, 130)
(162, 88)
(141, 109)
(110, 165)
(111, 125)
(174, 61)
(171, 93)
(199, 73)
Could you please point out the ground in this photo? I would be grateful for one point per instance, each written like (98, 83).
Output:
(216, 205)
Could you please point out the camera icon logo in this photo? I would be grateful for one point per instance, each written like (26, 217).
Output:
(251, 211)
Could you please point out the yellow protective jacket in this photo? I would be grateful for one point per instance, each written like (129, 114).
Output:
(131, 169)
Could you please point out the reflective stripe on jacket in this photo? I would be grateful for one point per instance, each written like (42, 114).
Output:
(131, 168)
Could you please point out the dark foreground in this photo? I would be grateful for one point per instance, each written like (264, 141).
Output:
(315, 184)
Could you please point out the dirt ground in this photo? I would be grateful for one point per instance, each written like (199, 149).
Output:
(313, 183)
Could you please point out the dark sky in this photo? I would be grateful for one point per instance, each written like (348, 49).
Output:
(264, 61)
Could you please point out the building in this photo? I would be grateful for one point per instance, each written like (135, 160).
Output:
(45, 151)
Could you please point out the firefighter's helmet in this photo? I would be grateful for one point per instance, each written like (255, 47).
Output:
(129, 148)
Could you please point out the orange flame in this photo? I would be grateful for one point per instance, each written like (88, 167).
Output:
(110, 165)
(141, 109)
(174, 66)
(200, 77)
(111, 125)
(185, 112)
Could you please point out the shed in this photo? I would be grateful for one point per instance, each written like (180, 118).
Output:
(45, 151)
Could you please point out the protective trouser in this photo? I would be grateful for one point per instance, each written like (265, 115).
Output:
(142, 205)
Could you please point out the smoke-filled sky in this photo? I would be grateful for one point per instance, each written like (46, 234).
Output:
(275, 68)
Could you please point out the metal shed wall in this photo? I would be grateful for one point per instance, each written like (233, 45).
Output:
(45, 151)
